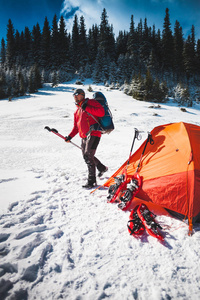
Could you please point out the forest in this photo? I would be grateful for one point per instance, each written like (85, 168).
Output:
(148, 63)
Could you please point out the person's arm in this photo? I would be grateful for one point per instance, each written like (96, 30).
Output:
(74, 129)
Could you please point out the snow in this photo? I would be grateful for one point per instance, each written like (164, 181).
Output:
(58, 241)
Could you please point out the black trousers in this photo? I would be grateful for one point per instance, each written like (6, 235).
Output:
(89, 146)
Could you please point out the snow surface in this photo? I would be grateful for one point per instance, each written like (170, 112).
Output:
(58, 241)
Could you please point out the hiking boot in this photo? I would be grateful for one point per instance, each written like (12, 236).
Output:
(102, 172)
(90, 184)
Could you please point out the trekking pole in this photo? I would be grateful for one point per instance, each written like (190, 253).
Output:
(136, 136)
(151, 141)
(55, 131)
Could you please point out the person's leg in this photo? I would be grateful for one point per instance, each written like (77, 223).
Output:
(89, 146)
(100, 167)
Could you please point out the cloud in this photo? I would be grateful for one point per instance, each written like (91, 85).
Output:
(70, 12)
(90, 9)
(119, 12)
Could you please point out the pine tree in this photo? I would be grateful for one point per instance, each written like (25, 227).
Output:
(99, 67)
(37, 77)
(75, 43)
(111, 43)
(19, 55)
(188, 54)
(103, 33)
(36, 44)
(106, 36)
(146, 32)
(93, 37)
(132, 45)
(164, 89)
(156, 91)
(28, 57)
(148, 83)
(159, 91)
(131, 66)
(2, 84)
(182, 95)
(178, 49)
(121, 69)
(139, 31)
(197, 96)
(35, 81)
(54, 43)
(55, 79)
(22, 49)
(10, 49)
(122, 43)
(157, 47)
(198, 57)
(3, 52)
(31, 85)
(167, 43)
(64, 45)
(145, 45)
(113, 73)
(186, 99)
(45, 45)
(138, 87)
(193, 49)
(83, 43)
(152, 63)
(14, 86)
(22, 88)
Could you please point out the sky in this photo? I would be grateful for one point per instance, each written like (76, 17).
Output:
(27, 13)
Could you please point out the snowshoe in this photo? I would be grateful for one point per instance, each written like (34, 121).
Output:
(115, 189)
(135, 225)
(132, 189)
(148, 219)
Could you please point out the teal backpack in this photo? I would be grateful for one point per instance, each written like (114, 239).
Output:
(105, 123)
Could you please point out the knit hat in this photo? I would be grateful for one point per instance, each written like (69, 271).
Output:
(78, 92)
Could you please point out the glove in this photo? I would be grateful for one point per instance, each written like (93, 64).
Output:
(83, 106)
(68, 138)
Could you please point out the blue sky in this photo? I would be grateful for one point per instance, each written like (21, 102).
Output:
(28, 13)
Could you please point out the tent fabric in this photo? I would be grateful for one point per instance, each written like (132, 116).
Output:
(170, 168)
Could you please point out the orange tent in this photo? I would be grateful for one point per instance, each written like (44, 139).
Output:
(170, 169)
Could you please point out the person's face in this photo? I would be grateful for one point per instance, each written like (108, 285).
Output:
(78, 98)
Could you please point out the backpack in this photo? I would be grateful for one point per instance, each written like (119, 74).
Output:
(105, 123)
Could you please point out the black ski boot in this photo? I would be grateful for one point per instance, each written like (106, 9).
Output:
(90, 183)
(102, 172)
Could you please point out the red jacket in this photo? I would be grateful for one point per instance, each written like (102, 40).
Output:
(83, 121)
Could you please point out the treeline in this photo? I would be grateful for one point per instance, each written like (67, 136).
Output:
(52, 54)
